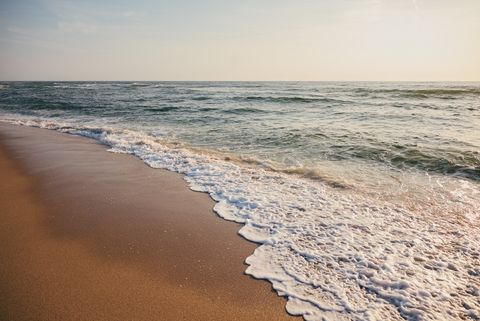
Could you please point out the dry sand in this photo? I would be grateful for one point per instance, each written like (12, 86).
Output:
(91, 235)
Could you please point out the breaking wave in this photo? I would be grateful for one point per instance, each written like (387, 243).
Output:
(333, 255)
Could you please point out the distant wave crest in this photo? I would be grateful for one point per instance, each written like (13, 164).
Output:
(423, 93)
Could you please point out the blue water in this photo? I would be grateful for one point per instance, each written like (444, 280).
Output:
(426, 126)
(305, 165)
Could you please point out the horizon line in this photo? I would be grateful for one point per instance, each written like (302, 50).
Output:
(136, 80)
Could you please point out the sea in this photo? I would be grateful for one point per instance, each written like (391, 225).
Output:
(363, 197)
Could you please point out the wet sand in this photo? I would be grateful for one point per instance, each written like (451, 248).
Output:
(92, 235)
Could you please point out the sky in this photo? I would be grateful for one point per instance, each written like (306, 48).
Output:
(324, 40)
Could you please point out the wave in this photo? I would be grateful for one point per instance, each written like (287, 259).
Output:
(242, 110)
(288, 99)
(272, 99)
(237, 111)
(162, 109)
(35, 104)
(333, 255)
(201, 98)
(76, 85)
(303, 171)
(207, 109)
(445, 93)
(465, 164)
(140, 84)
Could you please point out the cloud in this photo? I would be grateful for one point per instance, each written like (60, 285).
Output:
(77, 27)
(415, 4)
(18, 30)
(128, 14)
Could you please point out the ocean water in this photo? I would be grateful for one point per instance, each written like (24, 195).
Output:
(364, 197)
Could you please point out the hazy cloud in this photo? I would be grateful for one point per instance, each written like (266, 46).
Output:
(77, 27)
(247, 40)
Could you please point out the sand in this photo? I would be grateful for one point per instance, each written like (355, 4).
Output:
(90, 235)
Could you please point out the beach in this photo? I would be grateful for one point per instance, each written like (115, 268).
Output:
(346, 213)
(92, 235)
(240, 160)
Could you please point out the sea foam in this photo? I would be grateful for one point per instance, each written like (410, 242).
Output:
(334, 255)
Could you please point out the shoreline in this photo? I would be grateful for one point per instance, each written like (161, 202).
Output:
(89, 234)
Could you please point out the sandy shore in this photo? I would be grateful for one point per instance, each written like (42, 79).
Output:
(92, 235)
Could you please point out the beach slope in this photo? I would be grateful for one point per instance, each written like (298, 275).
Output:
(92, 235)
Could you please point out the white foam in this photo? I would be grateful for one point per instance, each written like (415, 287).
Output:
(334, 255)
